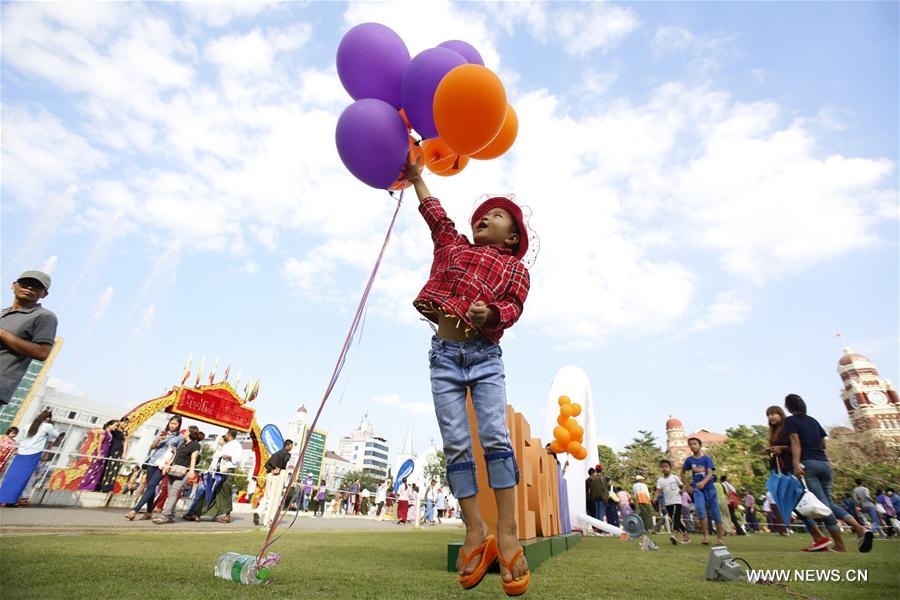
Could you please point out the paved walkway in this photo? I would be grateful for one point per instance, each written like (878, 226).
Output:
(39, 519)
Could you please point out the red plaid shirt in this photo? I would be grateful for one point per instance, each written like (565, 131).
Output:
(463, 273)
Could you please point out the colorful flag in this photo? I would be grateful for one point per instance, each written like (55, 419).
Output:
(237, 382)
(227, 371)
(200, 371)
(246, 389)
(255, 392)
(187, 369)
(212, 374)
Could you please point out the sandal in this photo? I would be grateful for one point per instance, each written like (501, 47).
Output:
(162, 520)
(514, 587)
(190, 517)
(130, 515)
(225, 519)
(489, 553)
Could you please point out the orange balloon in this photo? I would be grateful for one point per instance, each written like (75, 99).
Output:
(574, 447)
(504, 140)
(562, 435)
(440, 159)
(562, 420)
(566, 410)
(469, 108)
(455, 167)
(581, 454)
(578, 437)
(576, 409)
(564, 400)
(572, 425)
(556, 447)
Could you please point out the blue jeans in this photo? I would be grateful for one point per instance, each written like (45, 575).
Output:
(154, 476)
(707, 497)
(818, 480)
(600, 509)
(476, 365)
(429, 511)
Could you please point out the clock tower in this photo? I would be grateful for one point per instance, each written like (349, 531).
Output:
(870, 400)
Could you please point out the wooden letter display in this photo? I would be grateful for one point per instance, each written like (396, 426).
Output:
(537, 495)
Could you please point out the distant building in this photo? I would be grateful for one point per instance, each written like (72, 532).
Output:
(870, 400)
(76, 415)
(676, 440)
(334, 469)
(365, 450)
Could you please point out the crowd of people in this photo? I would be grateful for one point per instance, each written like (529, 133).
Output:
(691, 503)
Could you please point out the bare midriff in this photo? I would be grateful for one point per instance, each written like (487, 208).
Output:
(451, 328)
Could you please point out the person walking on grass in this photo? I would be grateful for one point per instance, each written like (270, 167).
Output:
(781, 460)
(811, 463)
(703, 473)
(863, 499)
(668, 489)
(734, 502)
(440, 503)
(642, 502)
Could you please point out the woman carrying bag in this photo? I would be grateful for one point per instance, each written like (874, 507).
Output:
(811, 464)
(180, 468)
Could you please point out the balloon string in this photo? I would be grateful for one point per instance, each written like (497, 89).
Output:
(338, 367)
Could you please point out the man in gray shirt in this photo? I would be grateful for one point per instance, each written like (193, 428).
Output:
(27, 331)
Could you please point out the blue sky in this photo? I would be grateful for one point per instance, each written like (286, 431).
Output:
(714, 185)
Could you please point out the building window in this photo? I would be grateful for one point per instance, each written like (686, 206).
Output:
(72, 414)
(94, 419)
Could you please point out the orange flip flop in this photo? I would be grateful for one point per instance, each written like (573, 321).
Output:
(514, 587)
(489, 553)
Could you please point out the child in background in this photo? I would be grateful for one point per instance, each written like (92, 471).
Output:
(474, 293)
(703, 471)
(642, 502)
(669, 487)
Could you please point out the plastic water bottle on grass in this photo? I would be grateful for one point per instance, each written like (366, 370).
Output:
(241, 568)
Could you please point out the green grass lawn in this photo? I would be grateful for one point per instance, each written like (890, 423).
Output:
(404, 564)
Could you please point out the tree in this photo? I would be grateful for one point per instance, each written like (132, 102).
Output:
(851, 457)
(742, 457)
(610, 461)
(640, 457)
(437, 468)
(366, 480)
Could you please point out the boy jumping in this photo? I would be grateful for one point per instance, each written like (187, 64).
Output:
(474, 293)
(705, 498)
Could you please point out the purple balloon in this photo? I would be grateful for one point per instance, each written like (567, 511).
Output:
(373, 142)
(420, 81)
(466, 49)
(371, 59)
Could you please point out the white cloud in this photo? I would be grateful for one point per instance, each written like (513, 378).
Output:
(218, 14)
(100, 308)
(41, 156)
(580, 28)
(707, 52)
(729, 307)
(232, 160)
(394, 400)
(50, 264)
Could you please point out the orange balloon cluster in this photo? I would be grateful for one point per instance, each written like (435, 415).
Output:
(568, 435)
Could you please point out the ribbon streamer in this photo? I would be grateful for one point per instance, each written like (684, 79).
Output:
(342, 357)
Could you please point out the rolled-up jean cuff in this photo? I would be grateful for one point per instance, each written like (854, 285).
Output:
(461, 477)
(503, 471)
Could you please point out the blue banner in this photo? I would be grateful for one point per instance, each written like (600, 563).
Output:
(272, 438)
(405, 470)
